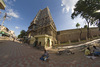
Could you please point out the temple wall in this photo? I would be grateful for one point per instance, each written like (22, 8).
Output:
(74, 35)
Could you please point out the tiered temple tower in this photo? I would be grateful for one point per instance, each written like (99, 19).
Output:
(43, 27)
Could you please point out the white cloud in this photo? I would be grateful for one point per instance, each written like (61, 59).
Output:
(68, 5)
(81, 21)
(5, 0)
(75, 22)
(17, 27)
(8, 2)
(10, 12)
(14, 0)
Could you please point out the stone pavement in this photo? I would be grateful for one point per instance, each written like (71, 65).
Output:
(13, 54)
(74, 46)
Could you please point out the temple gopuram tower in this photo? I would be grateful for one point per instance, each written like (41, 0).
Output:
(42, 30)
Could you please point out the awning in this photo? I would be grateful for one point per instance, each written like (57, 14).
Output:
(1, 32)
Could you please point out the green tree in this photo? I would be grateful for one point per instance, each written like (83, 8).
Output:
(19, 36)
(22, 34)
(86, 9)
(77, 25)
(85, 26)
(97, 17)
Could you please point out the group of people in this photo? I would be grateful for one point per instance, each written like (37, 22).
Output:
(88, 52)
(95, 52)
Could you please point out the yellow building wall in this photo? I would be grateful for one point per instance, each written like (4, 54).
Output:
(42, 40)
(32, 40)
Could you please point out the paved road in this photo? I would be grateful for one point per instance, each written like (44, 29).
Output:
(14, 54)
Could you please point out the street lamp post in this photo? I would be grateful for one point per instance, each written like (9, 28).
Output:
(2, 6)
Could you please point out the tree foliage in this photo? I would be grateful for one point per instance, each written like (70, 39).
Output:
(22, 34)
(85, 26)
(86, 9)
(77, 25)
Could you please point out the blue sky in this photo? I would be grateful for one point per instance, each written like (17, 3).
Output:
(22, 12)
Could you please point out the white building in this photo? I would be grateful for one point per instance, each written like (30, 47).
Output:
(12, 33)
